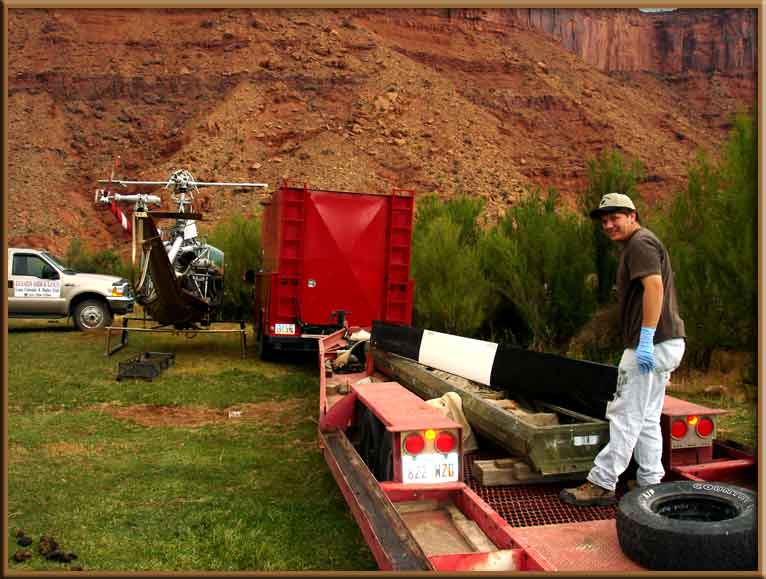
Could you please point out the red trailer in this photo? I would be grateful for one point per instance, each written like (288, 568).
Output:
(334, 262)
(450, 521)
(331, 257)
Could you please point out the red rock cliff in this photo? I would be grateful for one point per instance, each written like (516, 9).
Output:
(692, 39)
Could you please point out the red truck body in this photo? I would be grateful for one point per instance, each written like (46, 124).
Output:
(331, 256)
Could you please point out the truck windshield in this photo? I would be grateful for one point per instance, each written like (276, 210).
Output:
(58, 263)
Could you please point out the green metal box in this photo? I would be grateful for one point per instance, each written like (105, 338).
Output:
(557, 449)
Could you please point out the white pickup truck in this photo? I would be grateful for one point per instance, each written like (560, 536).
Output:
(39, 286)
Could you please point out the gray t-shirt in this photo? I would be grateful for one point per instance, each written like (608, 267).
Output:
(644, 255)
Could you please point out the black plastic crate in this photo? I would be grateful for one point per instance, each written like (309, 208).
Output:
(147, 365)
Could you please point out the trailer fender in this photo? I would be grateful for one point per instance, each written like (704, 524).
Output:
(340, 414)
(689, 525)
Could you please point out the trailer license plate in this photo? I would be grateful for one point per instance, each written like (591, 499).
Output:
(284, 329)
(430, 468)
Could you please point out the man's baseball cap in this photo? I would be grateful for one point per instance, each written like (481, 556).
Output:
(613, 202)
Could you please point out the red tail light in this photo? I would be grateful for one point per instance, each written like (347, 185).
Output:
(414, 443)
(445, 442)
(678, 429)
(705, 427)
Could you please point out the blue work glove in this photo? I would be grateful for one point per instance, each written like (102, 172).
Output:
(645, 350)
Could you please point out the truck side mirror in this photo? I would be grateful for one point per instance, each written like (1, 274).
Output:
(49, 273)
(249, 276)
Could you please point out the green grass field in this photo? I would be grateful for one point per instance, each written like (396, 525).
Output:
(135, 475)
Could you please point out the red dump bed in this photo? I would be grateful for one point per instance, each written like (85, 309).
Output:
(326, 252)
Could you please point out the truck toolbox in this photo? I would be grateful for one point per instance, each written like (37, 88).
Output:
(331, 257)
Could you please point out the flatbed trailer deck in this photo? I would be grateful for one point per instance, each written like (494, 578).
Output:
(520, 527)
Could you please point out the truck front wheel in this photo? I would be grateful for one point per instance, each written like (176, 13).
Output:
(91, 315)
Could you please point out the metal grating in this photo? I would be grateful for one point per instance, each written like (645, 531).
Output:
(531, 505)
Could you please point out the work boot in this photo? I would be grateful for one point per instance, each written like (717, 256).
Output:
(588, 494)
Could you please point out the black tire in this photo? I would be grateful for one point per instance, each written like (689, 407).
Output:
(375, 445)
(91, 315)
(263, 349)
(687, 525)
(385, 457)
(369, 437)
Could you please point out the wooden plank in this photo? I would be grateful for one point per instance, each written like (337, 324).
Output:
(471, 531)
(435, 532)
(491, 474)
(415, 506)
(505, 462)
(535, 418)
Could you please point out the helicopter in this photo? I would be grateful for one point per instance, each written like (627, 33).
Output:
(177, 277)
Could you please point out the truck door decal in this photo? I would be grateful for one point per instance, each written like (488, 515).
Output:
(38, 288)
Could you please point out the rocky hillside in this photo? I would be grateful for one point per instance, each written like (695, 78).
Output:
(486, 102)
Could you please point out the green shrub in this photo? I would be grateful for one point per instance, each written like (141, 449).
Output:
(462, 210)
(540, 260)
(105, 261)
(710, 229)
(609, 172)
(240, 239)
(451, 293)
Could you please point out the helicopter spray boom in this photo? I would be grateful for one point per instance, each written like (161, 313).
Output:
(139, 199)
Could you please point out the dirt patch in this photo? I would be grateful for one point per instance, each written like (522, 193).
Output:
(57, 449)
(271, 412)
(17, 452)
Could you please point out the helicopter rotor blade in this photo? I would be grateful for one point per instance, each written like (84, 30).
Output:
(126, 183)
(225, 184)
(195, 183)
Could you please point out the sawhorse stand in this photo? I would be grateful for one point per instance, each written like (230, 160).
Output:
(110, 349)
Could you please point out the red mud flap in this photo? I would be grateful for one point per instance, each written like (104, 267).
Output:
(391, 543)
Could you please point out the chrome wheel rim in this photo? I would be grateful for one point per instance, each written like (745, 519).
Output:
(91, 316)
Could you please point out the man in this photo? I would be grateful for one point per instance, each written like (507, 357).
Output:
(653, 335)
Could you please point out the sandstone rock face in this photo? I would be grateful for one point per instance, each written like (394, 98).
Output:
(685, 40)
